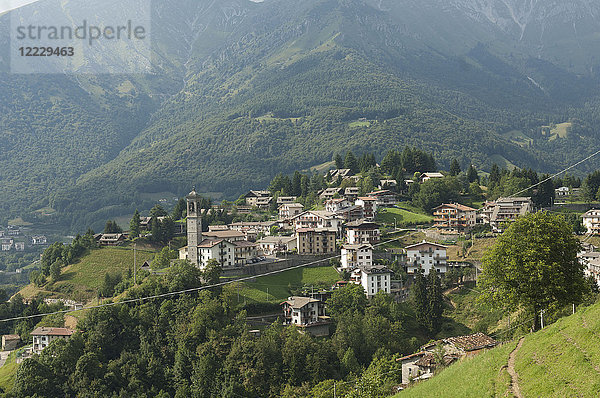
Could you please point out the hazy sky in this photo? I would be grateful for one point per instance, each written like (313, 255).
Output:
(7, 5)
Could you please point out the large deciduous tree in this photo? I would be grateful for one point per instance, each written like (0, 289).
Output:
(534, 265)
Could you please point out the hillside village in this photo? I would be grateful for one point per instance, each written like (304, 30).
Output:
(349, 221)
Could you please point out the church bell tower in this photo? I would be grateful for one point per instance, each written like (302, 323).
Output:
(194, 227)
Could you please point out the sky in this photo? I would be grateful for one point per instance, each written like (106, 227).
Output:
(7, 5)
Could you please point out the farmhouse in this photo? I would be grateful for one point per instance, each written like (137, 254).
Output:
(43, 336)
(308, 314)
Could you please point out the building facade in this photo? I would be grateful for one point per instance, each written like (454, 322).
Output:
(311, 241)
(454, 218)
(363, 232)
(426, 256)
(357, 256)
(43, 336)
(373, 279)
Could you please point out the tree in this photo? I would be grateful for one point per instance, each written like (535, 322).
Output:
(55, 270)
(112, 227)
(351, 163)
(591, 184)
(180, 210)
(134, 225)
(435, 302)
(472, 175)
(419, 298)
(349, 299)
(455, 168)
(495, 176)
(534, 265)
(339, 162)
(544, 194)
(212, 272)
(163, 258)
(158, 211)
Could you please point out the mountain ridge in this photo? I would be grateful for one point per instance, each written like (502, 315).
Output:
(429, 76)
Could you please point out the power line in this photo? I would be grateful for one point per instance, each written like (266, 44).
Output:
(557, 174)
(191, 290)
(170, 294)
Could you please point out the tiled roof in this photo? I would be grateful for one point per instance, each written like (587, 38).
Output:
(299, 302)
(45, 331)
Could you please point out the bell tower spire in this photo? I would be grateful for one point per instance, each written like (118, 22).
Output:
(194, 226)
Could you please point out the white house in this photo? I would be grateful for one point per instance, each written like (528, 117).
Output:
(334, 205)
(426, 256)
(430, 176)
(357, 256)
(369, 206)
(306, 313)
(290, 210)
(318, 219)
(270, 245)
(373, 279)
(221, 250)
(590, 259)
(43, 336)
(362, 231)
(39, 240)
(505, 210)
(562, 192)
(591, 221)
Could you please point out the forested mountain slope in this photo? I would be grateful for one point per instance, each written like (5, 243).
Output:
(243, 90)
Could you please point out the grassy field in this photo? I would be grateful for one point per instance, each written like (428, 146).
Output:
(279, 286)
(81, 280)
(562, 360)
(360, 124)
(481, 376)
(475, 252)
(405, 215)
(8, 372)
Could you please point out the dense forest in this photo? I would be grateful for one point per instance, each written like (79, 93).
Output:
(199, 345)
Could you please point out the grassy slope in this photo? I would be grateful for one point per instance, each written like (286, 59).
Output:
(279, 285)
(404, 216)
(562, 360)
(481, 376)
(8, 372)
(80, 280)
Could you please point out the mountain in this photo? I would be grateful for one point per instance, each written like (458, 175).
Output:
(240, 91)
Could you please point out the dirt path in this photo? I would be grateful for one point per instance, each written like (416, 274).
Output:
(447, 295)
(513, 373)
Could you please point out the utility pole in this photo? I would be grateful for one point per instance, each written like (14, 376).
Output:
(267, 294)
(334, 396)
(542, 317)
(134, 264)
(573, 308)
